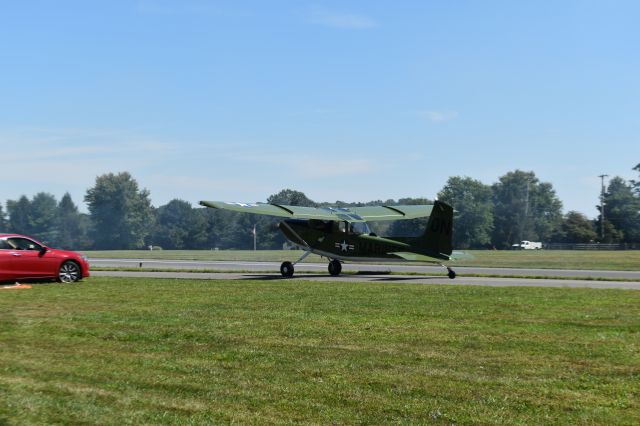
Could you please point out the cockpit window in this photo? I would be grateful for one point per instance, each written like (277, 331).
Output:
(320, 225)
(359, 228)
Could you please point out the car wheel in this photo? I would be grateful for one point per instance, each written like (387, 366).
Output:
(69, 272)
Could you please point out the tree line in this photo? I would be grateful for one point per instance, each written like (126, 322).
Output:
(517, 207)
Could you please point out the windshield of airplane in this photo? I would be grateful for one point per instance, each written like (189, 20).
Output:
(359, 228)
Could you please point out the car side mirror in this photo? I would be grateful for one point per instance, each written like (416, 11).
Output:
(43, 250)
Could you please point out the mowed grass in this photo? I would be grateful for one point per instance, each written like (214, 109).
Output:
(140, 351)
(611, 260)
(619, 260)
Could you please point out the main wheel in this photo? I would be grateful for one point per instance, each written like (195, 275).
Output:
(286, 269)
(335, 267)
(452, 274)
(69, 272)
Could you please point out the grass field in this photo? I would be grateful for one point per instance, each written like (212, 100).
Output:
(627, 260)
(132, 351)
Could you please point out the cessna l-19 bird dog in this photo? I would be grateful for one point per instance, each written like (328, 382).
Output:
(342, 234)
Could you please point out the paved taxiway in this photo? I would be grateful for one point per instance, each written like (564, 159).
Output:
(358, 267)
(428, 274)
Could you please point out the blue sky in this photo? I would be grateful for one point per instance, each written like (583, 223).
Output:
(343, 100)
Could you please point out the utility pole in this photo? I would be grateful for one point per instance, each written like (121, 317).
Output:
(523, 222)
(602, 207)
(526, 204)
(255, 237)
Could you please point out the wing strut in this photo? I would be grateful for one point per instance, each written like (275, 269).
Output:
(395, 210)
(306, 253)
(295, 234)
(284, 208)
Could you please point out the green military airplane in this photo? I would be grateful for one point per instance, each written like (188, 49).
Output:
(342, 234)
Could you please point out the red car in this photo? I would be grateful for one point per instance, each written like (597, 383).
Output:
(23, 258)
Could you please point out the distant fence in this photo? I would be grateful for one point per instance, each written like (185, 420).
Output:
(592, 246)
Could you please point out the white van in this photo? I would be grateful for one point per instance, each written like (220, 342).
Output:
(527, 245)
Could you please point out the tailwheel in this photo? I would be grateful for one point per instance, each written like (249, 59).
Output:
(335, 267)
(286, 269)
(451, 273)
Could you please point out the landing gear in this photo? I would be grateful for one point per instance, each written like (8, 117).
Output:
(451, 273)
(335, 267)
(286, 269)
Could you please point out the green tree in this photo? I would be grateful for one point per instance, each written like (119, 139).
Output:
(575, 228)
(178, 226)
(4, 224)
(622, 210)
(242, 230)
(43, 217)
(636, 183)
(292, 198)
(545, 211)
(210, 219)
(19, 215)
(611, 234)
(524, 209)
(473, 217)
(70, 233)
(35, 217)
(121, 213)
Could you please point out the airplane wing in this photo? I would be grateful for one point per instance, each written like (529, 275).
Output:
(351, 214)
(381, 213)
(293, 212)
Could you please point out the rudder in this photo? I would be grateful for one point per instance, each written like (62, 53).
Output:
(438, 235)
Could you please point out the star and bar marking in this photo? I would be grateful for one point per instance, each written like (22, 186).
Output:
(344, 246)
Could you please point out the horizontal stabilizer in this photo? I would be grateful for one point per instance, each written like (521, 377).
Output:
(415, 257)
(460, 255)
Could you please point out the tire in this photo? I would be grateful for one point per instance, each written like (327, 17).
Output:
(286, 269)
(69, 272)
(451, 274)
(335, 267)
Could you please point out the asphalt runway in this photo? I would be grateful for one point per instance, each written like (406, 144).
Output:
(357, 267)
(368, 273)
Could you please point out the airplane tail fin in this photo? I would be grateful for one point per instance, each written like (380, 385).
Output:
(437, 237)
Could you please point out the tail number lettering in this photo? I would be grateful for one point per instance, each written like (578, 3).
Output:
(441, 226)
